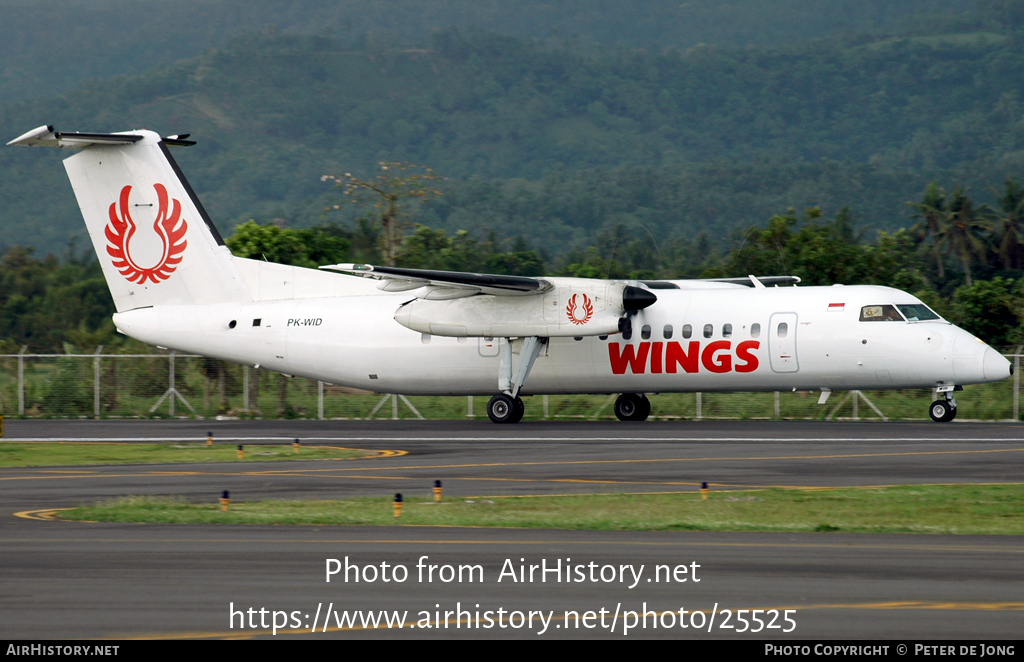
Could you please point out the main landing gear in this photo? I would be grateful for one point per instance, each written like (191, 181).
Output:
(507, 406)
(503, 408)
(632, 407)
(943, 411)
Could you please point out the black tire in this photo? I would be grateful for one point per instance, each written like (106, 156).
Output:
(645, 409)
(518, 409)
(501, 409)
(941, 411)
(630, 407)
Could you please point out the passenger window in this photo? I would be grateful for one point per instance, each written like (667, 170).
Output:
(687, 330)
(727, 330)
(667, 332)
(783, 330)
(882, 313)
(628, 333)
(645, 332)
(755, 330)
(708, 330)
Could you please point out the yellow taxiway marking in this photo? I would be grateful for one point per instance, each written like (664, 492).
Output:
(344, 473)
(46, 515)
(397, 453)
(759, 458)
(92, 473)
(434, 624)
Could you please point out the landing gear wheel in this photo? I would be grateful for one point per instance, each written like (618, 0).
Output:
(942, 411)
(501, 409)
(518, 409)
(632, 407)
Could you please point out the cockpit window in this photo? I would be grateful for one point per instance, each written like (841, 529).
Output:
(881, 313)
(917, 312)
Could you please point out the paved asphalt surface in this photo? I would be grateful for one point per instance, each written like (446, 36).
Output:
(69, 580)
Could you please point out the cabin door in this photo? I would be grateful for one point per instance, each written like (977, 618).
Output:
(782, 342)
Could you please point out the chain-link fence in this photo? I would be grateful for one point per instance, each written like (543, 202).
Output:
(167, 384)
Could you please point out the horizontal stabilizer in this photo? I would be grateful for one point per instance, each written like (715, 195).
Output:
(45, 136)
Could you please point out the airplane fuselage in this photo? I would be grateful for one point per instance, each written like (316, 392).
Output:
(728, 338)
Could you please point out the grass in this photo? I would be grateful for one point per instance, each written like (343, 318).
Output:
(957, 509)
(42, 454)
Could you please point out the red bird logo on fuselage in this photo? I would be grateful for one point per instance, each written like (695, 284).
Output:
(579, 314)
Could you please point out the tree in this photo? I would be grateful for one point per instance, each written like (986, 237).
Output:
(932, 211)
(426, 248)
(1009, 225)
(397, 181)
(962, 230)
(986, 309)
(308, 247)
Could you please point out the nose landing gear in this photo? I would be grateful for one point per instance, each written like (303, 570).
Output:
(943, 411)
(632, 407)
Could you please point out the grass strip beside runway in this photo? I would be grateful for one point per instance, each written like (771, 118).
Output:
(48, 454)
(956, 509)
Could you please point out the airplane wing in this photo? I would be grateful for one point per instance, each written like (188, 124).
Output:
(759, 281)
(517, 306)
(702, 283)
(445, 284)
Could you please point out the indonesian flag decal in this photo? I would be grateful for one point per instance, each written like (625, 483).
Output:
(836, 307)
(169, 226)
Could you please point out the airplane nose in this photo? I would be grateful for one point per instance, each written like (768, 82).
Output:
(995, 365)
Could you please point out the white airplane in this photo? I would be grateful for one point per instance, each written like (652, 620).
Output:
(175, 284)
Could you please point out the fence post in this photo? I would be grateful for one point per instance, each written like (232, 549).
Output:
(546, 406)
(394, 407)
(245, 388)
(96, 383)
(777, 411)
(171, 375)
(699, 406)
(21, 380)
(856, 416)
(1016, 383)
(469, 406)
(320, 401)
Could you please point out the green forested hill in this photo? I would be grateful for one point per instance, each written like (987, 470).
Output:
(48, 46)
(556, 140)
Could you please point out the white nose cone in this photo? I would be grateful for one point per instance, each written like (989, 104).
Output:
(995, 366)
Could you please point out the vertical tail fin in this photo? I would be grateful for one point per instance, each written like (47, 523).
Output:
(154, 240)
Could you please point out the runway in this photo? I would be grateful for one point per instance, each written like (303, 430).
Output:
(102, 580)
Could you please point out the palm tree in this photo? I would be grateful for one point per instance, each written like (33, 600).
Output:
(932, 211)
(1009, 225)
(962, 230)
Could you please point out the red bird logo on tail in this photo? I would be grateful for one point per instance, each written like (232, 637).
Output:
(579, 314)
(170, 227)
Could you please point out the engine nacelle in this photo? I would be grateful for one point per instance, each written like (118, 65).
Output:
(572, 307)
